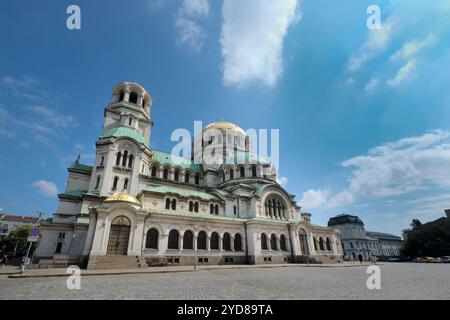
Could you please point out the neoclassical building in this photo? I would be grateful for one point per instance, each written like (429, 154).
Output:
(137, 207)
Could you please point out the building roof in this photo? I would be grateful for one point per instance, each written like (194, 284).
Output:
(124, 132)
(188, 193)
(344, 219)
(224, 125)
(16, 218)
(242, 157)
(381, 235)
(165, 158)
(81, 167)
(123, 196)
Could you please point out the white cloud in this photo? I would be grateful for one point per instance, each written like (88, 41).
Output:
(252, 39)
(377, 41)
(410, 49)
(406, 72)
(392, 169)
(372, 85)
(53, 117)
(190, 32)
(282, 181)
(314, 198)
(46, 188)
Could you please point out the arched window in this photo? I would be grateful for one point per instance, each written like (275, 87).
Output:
(186, 177)
(231, 174)
(253, 171)
(273, 242)
(201, 240)
(152, 239)
(133, 97)
(168, 204)
(174, 204)
(154, 171)
(214, 242)
(197, 179)
(165, 174)
(176, 175)
(124, 160)
(237, 242)
(130, 121)
(283, 246)
(58, 247)
(97, 184)
(130, 161)
(328, 244)
(242, 171)
(121, 95)
(125, 184)
(226, 242)
(263, 242)
(321, 245)
(191, 206)
(116, 180)
(211, 209)
(188, 240)
(216, 210)
(173, 239)
(119, 155)
(196, 207)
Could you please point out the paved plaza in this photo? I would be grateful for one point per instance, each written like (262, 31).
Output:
(398, 281)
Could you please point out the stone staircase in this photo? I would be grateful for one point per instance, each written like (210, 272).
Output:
(116, 262)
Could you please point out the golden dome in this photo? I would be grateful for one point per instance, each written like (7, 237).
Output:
(123, 196)
(224, 125)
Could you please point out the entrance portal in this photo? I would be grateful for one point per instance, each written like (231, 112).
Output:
(119, 236)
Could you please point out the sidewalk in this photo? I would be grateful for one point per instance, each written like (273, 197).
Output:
(43, 273)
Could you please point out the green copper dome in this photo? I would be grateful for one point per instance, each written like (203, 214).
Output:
(124, 132)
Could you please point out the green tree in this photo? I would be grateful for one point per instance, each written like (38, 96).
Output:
(430, 239)
(17, 240)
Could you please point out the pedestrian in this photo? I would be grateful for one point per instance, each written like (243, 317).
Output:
(360, 257)
(3, 260)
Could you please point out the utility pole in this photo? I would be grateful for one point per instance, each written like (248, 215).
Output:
(24, 262)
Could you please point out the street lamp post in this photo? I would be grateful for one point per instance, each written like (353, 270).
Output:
(24, 262)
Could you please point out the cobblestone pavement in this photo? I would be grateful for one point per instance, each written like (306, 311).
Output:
(398, 281)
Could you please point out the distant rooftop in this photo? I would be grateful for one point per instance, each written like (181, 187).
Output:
(344, 219)
(17, 218)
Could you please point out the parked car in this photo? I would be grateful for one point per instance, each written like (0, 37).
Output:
(393, 259)
(444, 259)
(427, 260)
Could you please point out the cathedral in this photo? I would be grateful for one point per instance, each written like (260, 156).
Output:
(138, 207)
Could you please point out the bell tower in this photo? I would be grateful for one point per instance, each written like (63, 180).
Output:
(122, 150)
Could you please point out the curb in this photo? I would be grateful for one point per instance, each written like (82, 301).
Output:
(17, 275)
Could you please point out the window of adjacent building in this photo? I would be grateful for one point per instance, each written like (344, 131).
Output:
(165, 173)
(58, 247)
(216, 209)
(152, 239)
(124, 159)
(97, 183)
(133, 97)
(188, 240)
(102, 160)
(283, 246)
(116, 180)
(130, 121)
(237, 242)
(231, 174)
(173, 239)
(168, 202)
(253, 171)
(177, 176)
(242, 172)
(196, 207)
(174, 204)
(214, 244)
(234, 210)
(130, 161)
(119, 155)
(197, 179)
(263, 242)
(226, 242)
(125, 184)
(273, 242)
(201, 240)
(153, 171)
(211, 209)
(186, 177)
(61, 235)
(191, 206)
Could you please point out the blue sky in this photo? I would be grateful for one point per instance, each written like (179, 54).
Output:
(363, 114)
